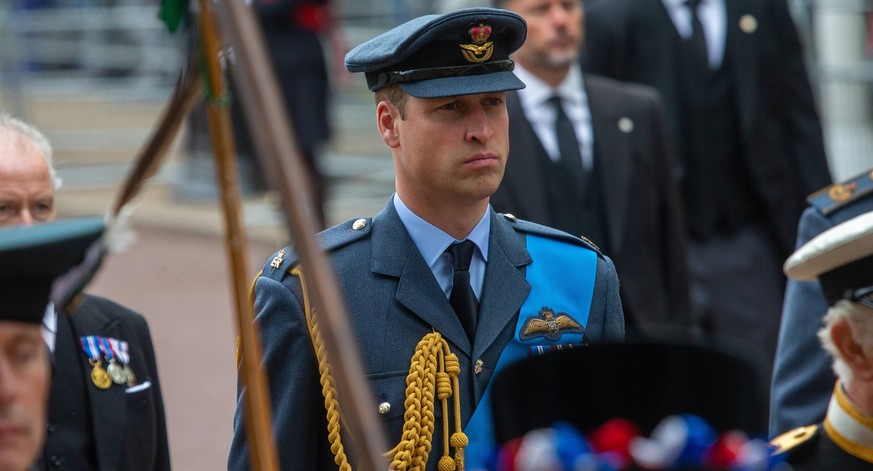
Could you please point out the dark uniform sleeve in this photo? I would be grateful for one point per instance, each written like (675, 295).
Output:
(291, 371)
(606, 318)
(802, 377)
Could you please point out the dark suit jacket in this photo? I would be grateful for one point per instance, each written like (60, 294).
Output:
(781, 138)
(643, 214)
(130, 430)
(394, 301)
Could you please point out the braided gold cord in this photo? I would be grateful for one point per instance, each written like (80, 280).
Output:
(433, 370)
(328, 386)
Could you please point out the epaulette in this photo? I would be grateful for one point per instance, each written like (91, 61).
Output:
(546, 231)
(794, 439)
(330, 239)
(833, 197)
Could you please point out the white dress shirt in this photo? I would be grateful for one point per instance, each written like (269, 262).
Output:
(713, 18)
(50, 326)
(541, 113)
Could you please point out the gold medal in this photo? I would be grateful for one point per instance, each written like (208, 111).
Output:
(116, 372)
(99, 376)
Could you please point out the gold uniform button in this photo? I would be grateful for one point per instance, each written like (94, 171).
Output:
(384, 408)
(359, 224)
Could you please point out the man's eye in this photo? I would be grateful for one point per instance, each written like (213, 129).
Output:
(25, 353)
(449, 106)
(42, 210)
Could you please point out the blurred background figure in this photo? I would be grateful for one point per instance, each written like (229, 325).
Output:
(802, 378)
(612, 182)
(294, 31)
(744, 123)
(841, 259)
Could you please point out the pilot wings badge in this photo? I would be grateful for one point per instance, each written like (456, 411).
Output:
(549, 325)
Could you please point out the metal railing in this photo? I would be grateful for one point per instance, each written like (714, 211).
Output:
(839, 40)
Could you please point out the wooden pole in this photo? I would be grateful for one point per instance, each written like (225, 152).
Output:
(258, 426)
(280, 155)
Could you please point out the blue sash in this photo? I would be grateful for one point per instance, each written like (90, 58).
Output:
(554, 314)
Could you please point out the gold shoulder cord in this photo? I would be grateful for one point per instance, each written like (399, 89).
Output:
(433, 370)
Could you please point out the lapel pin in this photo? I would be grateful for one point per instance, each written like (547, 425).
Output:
(748, 24)
(625, 125)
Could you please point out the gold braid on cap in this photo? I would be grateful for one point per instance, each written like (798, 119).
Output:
(433, 371)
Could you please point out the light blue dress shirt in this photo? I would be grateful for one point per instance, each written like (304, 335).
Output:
(432, 242)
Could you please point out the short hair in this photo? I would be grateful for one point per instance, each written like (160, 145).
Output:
(38, 139)
(395, 95)
(860, 319)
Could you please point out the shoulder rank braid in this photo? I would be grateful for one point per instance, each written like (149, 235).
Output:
(433, 371)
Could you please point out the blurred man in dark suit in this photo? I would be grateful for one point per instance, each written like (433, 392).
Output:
(617, 186)
(743, 120)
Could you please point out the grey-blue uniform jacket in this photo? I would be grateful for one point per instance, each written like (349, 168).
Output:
(802, 377)
(393, 301)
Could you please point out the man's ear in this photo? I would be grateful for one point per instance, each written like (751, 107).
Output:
(851, 351)
(387, 118)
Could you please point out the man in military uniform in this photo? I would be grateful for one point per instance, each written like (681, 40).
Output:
(91, 425)
(32, 259)
(802, 379)
(437, 261)
(842, 261)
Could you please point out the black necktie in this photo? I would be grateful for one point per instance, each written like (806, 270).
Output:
(462, 298)
(568, 145)
(698, 38)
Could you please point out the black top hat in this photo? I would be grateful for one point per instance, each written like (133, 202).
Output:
(643, 382)
(32, 258)
(444, 55)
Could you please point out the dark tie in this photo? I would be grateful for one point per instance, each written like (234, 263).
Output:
(462, 298)
(698, 38)
(568, 145)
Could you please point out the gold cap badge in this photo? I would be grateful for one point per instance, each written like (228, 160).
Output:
(481, 49)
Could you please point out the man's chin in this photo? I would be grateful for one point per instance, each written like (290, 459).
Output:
(16, 458)
(560, 60)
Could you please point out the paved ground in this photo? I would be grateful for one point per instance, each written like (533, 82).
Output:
(176, 274)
